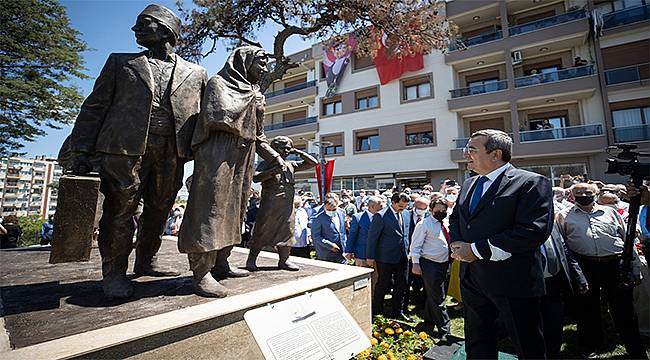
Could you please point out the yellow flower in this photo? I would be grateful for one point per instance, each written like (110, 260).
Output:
(408, 333)
(382, 357)
(423, 335)
(411, 357)
(366, 353)
(376, 334)
(389, 331)
(373, 341)
(391, 356)
(398, 330)
(384, 344)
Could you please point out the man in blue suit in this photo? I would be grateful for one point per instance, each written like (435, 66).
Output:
(328, 232)
(355, 247)
(387, 251)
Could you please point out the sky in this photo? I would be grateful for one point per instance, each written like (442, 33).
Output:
(106, 27)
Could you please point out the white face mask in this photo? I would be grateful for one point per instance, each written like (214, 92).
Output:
(421, 212)
(330, 213)
(177, 213)
(451, 197)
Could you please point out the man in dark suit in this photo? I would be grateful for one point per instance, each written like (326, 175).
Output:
(138, 122)
(387, 252)
(328, 232)
(502, 217)
(355, 247)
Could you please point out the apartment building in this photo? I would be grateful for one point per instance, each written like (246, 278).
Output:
(25, 186)
(565, 78)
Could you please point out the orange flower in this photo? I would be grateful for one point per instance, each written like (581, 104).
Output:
(374, 341)
(411, 357)
(389, 331)
(408, 333)
(382, 357)
(398, 330)
(423, 335)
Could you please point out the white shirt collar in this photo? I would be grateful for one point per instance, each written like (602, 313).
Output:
(495, 174)
(370, 215)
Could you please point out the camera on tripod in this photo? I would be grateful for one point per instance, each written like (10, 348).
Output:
(626, 162)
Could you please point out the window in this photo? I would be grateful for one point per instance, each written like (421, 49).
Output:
(417, 88)
(360, 63)
(332, 106)
(336, 148)
(551, 120)
(367, 140)
(366, 99)
(419, 134)
(295, 82)
(553, 172)
(631, 117)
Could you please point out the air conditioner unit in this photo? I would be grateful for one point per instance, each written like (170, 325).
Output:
(516, 57)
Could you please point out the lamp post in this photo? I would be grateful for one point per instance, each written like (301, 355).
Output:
(321, 154)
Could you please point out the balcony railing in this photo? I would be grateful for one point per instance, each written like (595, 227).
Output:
(462, 142)
(627, 74)
(547, 22)
(479, 89)
(558, 75)
(291, 123)
(626, 16)
(568, 132)
(464, 43)
(624, 134)
(291, 89)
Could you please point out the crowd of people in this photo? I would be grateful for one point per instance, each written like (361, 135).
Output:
(413, 239)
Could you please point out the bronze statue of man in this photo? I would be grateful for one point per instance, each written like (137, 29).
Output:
(138, 122)
(229, 132)
(275, 220)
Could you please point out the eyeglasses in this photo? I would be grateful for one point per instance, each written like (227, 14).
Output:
(470, 150)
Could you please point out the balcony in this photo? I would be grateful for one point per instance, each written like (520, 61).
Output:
(626, 16)
(627, 74)
(306, 89)
(624, 134)
(547, 22)
(464, 43)
(561, 133)
(564, 74)
(292, 127)
(479, 89)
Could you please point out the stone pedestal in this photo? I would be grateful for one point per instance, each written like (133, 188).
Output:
(58, 311)
(75, 218)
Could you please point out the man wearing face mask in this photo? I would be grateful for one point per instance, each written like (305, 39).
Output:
(451, 197)
(595, 234)
(328, 232)
(418, 212)
(429, 252)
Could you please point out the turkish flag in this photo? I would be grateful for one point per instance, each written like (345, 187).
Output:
(391, 68)
(329, 172)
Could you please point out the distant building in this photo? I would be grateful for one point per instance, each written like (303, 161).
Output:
(28, 186)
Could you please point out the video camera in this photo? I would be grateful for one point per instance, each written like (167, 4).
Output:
(626, 163)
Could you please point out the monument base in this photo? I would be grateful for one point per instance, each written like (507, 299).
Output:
(59, 311)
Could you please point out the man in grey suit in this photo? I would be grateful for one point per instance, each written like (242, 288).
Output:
(138, 122)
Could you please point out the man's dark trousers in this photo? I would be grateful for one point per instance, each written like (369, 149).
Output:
(552, 305)
(604, 275)
(521, 317)
(388, 274)
(433, 276)
(155, 177)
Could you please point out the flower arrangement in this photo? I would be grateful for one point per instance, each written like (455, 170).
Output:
(390, 341)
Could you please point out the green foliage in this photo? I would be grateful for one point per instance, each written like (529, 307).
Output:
(31, 226)
(39, 56)
(390, 341)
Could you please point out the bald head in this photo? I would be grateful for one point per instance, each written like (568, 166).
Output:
(421, 203)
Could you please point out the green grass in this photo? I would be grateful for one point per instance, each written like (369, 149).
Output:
(611, 349)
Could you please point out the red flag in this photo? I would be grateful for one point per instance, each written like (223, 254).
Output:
(329, 172)
(391, 68)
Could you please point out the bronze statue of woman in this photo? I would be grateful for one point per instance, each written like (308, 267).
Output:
(275, 218)
(228, 133)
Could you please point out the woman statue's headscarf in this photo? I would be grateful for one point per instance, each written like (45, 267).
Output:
(230, 100)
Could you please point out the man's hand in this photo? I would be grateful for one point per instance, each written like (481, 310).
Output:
(370, 262)
(462, 251)
(348, 256)
(583, 288)
(335, 248)
(416, 269)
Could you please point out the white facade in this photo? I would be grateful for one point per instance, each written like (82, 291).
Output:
(25, 186)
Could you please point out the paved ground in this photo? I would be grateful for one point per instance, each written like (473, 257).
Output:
(41, 301)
